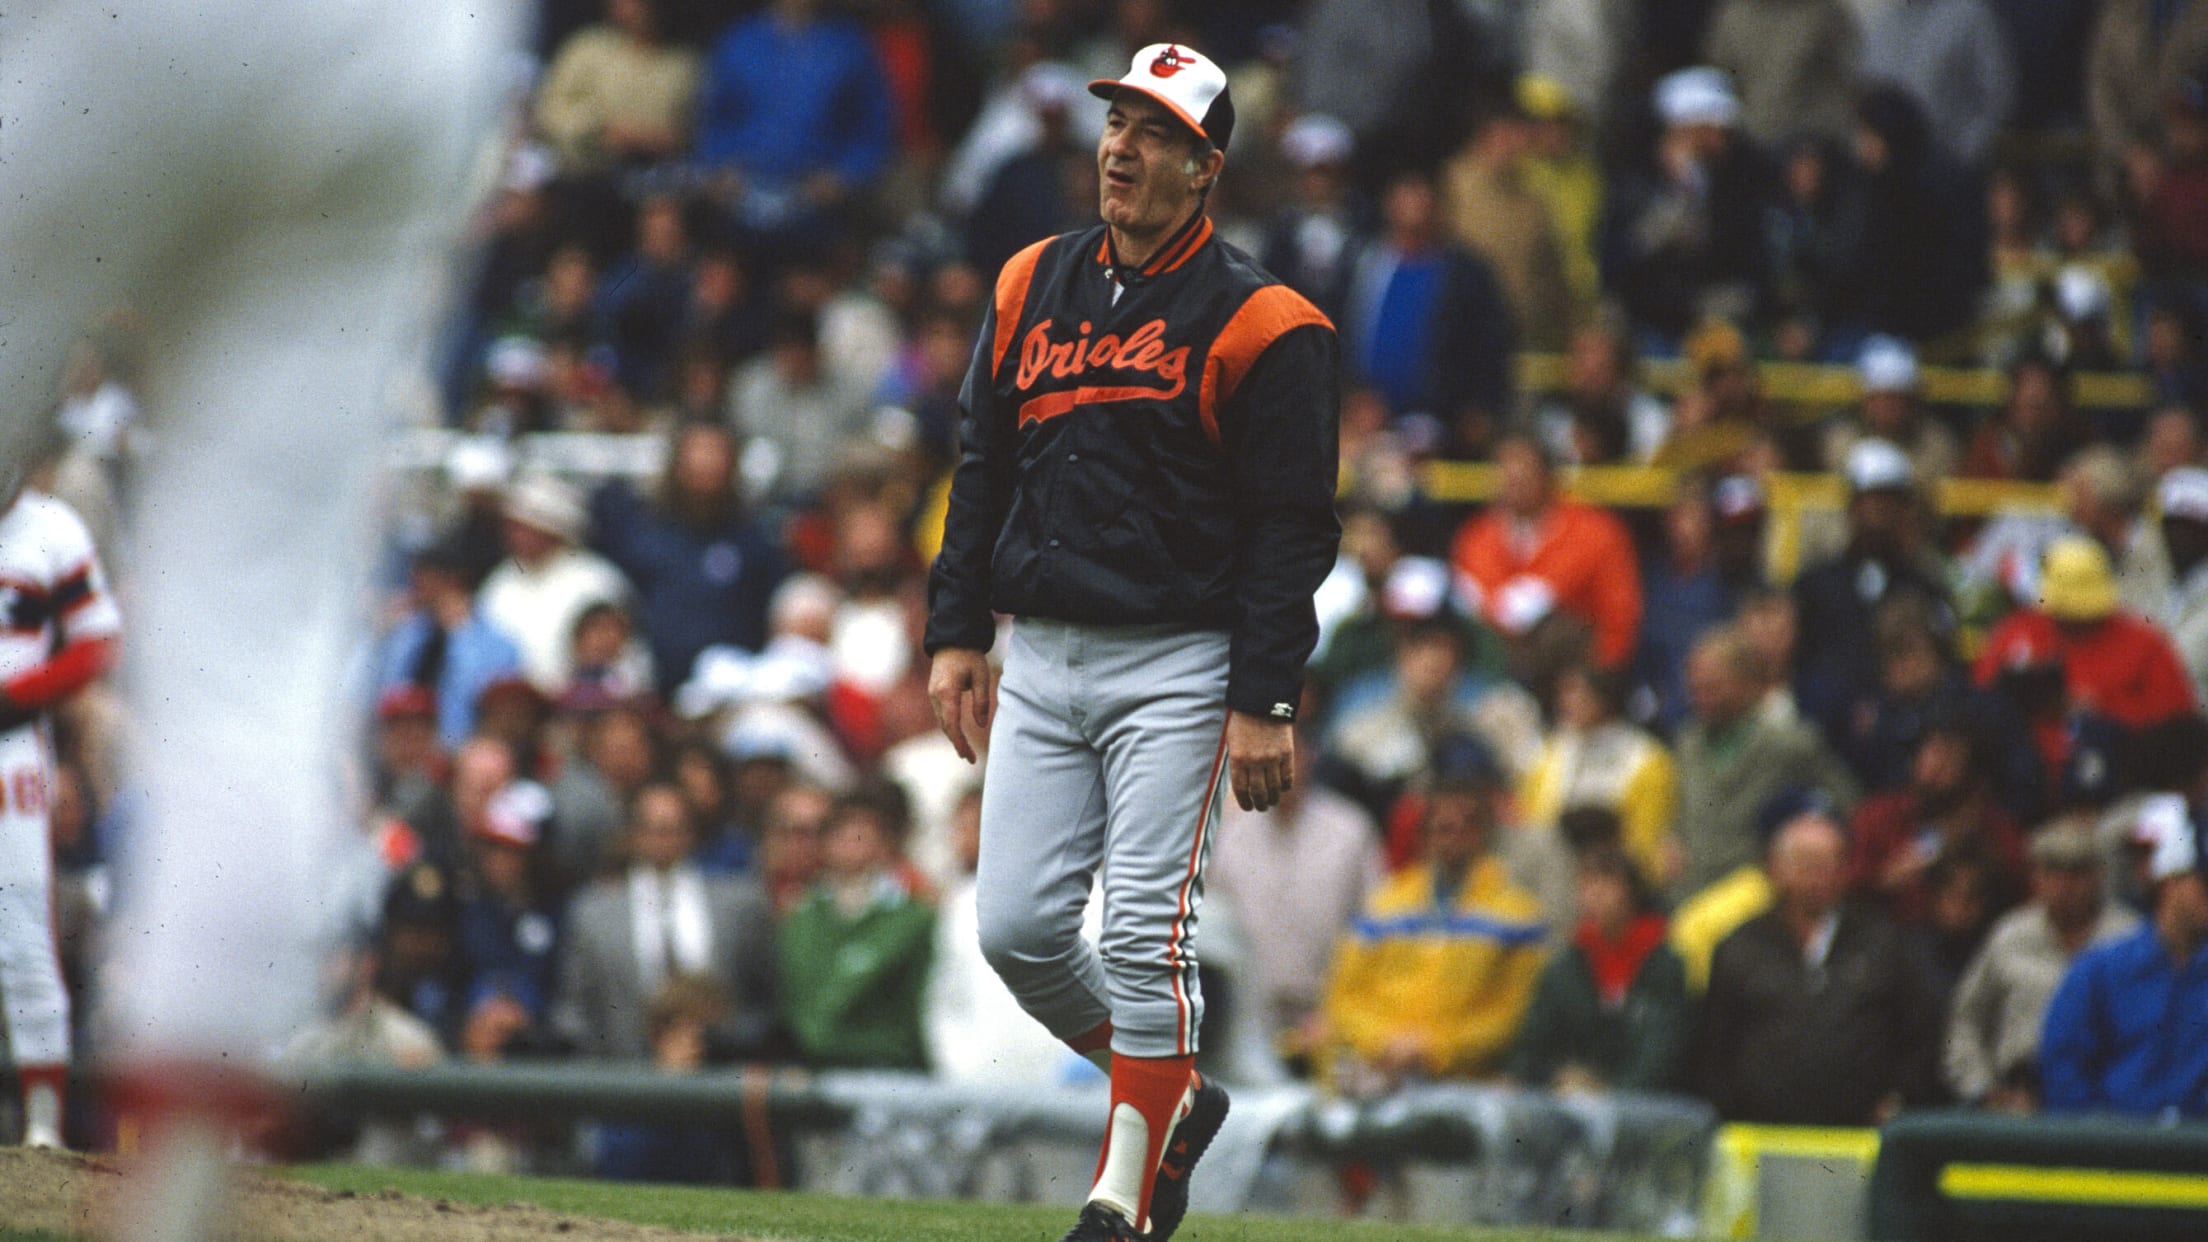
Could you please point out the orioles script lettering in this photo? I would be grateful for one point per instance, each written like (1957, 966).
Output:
(1142, 350)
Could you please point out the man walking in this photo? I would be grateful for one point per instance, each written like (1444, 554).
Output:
(1145, 483)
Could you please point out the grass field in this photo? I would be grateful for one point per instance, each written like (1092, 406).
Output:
(795, 1217)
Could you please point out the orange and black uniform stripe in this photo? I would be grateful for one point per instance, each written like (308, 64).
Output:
(1147, 445)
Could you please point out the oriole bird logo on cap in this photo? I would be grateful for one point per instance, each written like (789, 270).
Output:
(1168, 62)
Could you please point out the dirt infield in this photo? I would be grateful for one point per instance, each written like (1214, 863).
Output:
(70, 1195)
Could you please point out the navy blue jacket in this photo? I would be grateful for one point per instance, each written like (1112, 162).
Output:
(696, 587)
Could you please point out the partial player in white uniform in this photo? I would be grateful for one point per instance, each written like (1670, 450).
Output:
(272, 186)
(57, 633)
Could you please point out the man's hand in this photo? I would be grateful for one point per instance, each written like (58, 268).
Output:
(962, 686)
(1261, 757)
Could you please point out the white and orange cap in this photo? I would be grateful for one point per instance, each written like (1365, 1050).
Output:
(1184, 80)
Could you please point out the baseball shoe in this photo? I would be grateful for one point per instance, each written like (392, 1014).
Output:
(1100, 1223)
(1169, 1194)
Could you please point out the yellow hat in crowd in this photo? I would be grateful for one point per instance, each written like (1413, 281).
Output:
(2077, 583)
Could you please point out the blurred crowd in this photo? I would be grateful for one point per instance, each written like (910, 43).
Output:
(1587, 798)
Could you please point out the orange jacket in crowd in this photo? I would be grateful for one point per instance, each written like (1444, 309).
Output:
(1582, 552)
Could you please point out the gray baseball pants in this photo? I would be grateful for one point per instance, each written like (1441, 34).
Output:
(1106, 756)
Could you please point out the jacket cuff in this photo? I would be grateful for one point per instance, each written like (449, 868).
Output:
(1268, 702)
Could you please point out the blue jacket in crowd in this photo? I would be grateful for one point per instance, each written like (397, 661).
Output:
(696, 587)
(2128, 1032)
(781, 102)
(475, 655)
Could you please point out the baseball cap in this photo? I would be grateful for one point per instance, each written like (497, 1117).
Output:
(1737, 498)
(2081, 293)
(2165, 827)
(1792, 803)
(1700, 95)
(515, 815)
(1317, 139)
(2066, 844)
(1887, 365)
(1878, 466)
(421, 895)
(2183, 493)
(1184, 80)
(2076, 583)
(549, 505)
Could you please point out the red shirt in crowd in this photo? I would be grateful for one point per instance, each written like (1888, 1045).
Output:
(2121, 667)
(1890, 824)
(1582, 552)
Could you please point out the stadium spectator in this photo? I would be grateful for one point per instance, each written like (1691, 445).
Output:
(1426, 322)
(446, 646)
(1892, 411)
(1532, 542)
(658, 920)
(1952, 57)
(1492, 210)
(608, 661)
(2183, 494)
(645, 299)
(1684, 239)
(616, 755)
(2034, 432)
(1712, 542)
(509, 924)
(1722, 421)
(703, 568)
(1436, 973)
(794, 114)
(796, 410)
(617, 93)
(1924, 257)
(1992, 1050)
(1887, 555)
(2122, 1032)
(1603, 416)
(1701, 921)
(1296, 876)
(1583, 48)
(1596, 757)
(2141, 52)
(854, 954)
(1735, 756)
(1815, 1013)
(547, 579)
(1563, 169)
(1311, 243)
(2113, 663)
(1813, 229)
(1792, 60)
(1611, 1008)
(1046, 189)
(418, 964)
(1948, 804)
(790, 843)
(2168, 184)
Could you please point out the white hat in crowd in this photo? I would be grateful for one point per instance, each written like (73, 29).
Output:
(1317, 139)
(2165, 828)
(1878, 466)
(1701, 95)
(2183, 493)
(549, 505)
(1887, 365)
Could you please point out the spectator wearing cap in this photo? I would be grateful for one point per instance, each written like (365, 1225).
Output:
(2035, 430)
(446, 647)
(1887, 554)
(1892, 411)
(1596, 757)
(509, 925)
(2113, 663)
(1492, 210)
(1434, 976)
(1311, 243)
(1611, 1009)
(1952, 57)
(703, 567)
(1385, 733)
(409, 761)
(1579, 553)
(2123, 1033)
(2183, 494)
(617, 93)
(1604, 416)
(1991, 1054)
(1375, 592)
(1735, 756)
(1722, 420)
(1685, 240)
(1815, 1014)
(547, 578)
(1427, 323)
(1793, 61)
(660, 918)
(1713, 546)
(794, 108)
(2103, 496)
(1948, 807)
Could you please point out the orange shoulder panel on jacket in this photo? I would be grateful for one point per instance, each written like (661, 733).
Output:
(1267, 314)
(1012, 298)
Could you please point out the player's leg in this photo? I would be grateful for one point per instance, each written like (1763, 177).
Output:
(30, 970)
(1042, 838)
(1163, 739)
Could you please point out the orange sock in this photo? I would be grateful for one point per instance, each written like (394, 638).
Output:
(1095, 1045)
(1146, 1100)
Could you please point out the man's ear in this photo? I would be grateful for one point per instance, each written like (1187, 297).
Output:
(1205, 168)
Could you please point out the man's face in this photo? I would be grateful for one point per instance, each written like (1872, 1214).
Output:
(2183, 904)
(1522, 480)
(1942, 767)
(1456, 828)
(2070, 894)
(1145, 184)
(661, 836)
(1880, 519)
(1718, 693)
(1808, 865)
